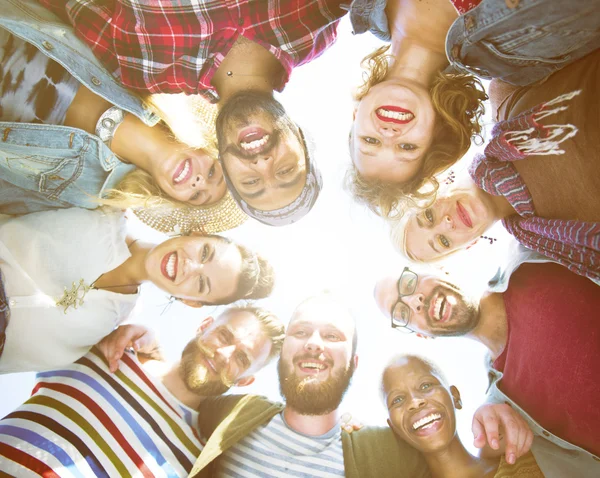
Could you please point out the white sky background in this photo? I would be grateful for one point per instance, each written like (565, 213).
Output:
(340, 247)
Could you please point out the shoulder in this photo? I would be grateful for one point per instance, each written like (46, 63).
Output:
(378, 450)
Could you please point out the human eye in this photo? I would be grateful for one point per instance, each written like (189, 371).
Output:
(370, 140)
(242, 359)
(250, 182)
(397, 400)
(332, 337)
(195, 196)
(426, 386)
(286, 171)
(299, 333)
(444, 242)
(428, 213)
(211, 171)
(205, 253)
(407, 146)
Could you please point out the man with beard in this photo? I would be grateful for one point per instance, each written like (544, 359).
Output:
(544, 340)
(253, 437)
(219, 50)
(131, 416)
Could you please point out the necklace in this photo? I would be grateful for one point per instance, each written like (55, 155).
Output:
(74, 296)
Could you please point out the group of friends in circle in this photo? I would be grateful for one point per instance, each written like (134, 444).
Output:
(165, 110)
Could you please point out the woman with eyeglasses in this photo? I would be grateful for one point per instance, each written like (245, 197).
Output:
(70, 276)
(422, 412)
(73, 136)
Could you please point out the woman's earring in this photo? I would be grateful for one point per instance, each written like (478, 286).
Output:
(491, 239)
(450, 178)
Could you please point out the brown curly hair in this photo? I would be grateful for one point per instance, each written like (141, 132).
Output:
(458, 103)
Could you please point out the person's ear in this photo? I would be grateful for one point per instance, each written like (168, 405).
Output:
(456, 397)
(354, 113)
(355, 361)
(196, 304)
(205, 324)
(389, 422)
(472, 244)
(244, 382)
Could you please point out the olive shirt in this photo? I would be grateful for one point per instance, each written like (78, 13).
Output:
(563, 186)
(369, 452)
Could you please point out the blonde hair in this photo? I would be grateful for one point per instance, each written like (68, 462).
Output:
(458, 103)
(187, 119)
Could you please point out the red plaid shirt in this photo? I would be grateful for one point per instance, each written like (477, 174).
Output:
(175, 46)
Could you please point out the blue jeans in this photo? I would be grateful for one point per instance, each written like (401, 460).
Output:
(525, 42)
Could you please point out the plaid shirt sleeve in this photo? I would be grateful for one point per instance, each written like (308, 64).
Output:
(175, 46)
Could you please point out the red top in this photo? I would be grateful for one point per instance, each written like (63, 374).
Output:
(175, 46)
(463, 6)
(552, 355)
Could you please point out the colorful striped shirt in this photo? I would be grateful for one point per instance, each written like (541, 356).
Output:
(83, 421)
(275, 450)
(176, 46)
(572, 243)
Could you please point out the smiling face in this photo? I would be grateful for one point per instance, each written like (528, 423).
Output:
(195, 268)
(227, 352)
(453, 222)
(420, 407)
(188, 175)
(316, 362)
(261, 151)
(437, 307)
(393, 128)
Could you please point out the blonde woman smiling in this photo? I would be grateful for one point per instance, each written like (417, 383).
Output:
(70, 276)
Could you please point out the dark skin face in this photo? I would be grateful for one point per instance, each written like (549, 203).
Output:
(421, 408)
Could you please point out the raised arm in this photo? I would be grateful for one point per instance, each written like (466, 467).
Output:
(132, 336)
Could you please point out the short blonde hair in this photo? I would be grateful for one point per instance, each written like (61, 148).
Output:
(458, 103)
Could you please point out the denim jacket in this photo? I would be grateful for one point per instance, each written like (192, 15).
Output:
(47, 166)
(523, 41)
(556, 457)
(518, 41)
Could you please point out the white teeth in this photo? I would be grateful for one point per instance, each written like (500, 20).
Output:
(183, 173)
(317, 366)
(427, 421)
(397, 115)
(438, 307)
(255, 144)
(171, 266)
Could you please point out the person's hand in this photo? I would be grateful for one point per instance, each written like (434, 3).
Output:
(499, 425)
(349, 424)
(137, 337)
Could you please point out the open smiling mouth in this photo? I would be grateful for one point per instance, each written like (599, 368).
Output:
(441, 309)
(312, 366)
(168, 266)
(183, 172)
(394, 114)
(253, 140)
(426, 422)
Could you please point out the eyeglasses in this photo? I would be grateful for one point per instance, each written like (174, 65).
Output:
(400, 314)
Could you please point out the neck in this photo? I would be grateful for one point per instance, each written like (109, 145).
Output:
(454, 462)
(501, 207)
(311, 425)
(171, 379)
(130, 274)
(415, 63)
(251, 66)
(492, 329)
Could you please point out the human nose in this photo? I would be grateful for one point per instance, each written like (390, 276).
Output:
(314, 342)
(416, 402)
(388, 131)
(192, 265)
(415, 302)
(447, 223)
(226, 352)
(199, 182)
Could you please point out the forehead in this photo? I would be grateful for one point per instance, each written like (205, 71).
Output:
(324, 314)
(241, 322)
(404, 371)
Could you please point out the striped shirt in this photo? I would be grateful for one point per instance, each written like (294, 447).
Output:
(275, 450)
(176, 46)
(83, 421)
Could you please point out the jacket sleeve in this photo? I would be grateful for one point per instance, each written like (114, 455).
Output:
(213, 410)
(377, 452)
